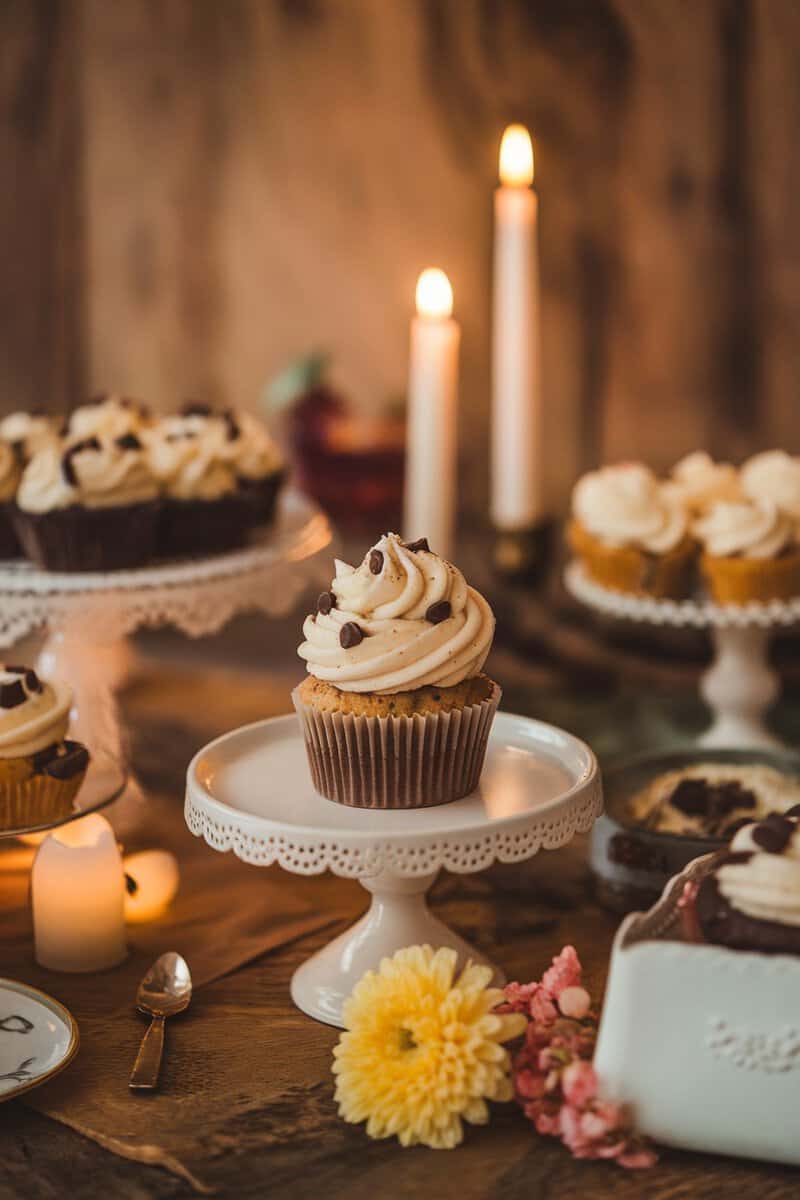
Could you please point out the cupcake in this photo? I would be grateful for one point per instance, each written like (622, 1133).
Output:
(395, 710)
(10, 473)
(256, 460)
(631, 532)
(712, 799)
(750, 900)
(750, 552)
(88, 505)
(774, 476)
(700, 481)
(204, 511)
(40, 772)
(107, 417)
(27, 432)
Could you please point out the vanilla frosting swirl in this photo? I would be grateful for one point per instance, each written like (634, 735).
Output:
(626, 505)
(774, 475)
(106, 417)
(249, 447)
(701, 481)
(188, 457)
(94, 473)
(27, 430)
(9, 472)
(766, 886)
(744, 529)
(421, 623)
(33, 714)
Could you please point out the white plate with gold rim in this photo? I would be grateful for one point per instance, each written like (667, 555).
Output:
(38, 1038)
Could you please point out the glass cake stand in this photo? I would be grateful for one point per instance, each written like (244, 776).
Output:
(740, 685)
(87, 616)
(106, 780)
(250, 791)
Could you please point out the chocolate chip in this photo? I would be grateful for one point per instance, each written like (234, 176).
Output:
(771, 837)
(129, 441)
(12, 694)
(439, 612)
(325, 602)
(32, 680)
(14, 670)
(193, 409)
(18, 450)
(131, 886)
(91, 443)
(233, 430)
(376, 561)
(711, 802)
(794, 811)
(350, 635)
(71, 760)
(419, 544)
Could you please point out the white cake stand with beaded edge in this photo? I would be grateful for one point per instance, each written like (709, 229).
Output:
(88, 615)
(250, 791)
(740, 685)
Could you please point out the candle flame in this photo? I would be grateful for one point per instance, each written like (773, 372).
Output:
(434, 294)
(516, 157)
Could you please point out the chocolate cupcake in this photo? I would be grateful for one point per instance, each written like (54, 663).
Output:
(40, 772)
(751, 899)
(88, 505)
(395, 711)
(204, 510)
(10, 474)
(257, 461)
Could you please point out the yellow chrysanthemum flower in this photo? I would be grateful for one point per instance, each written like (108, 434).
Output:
(422, 1050)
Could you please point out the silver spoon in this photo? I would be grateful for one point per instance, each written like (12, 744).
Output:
(165, 991)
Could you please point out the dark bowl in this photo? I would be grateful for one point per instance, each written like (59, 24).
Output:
(631, 864)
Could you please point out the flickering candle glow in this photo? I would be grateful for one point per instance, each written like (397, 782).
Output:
(516, 497)
(430, 487)
(151, 881)
(77, 889)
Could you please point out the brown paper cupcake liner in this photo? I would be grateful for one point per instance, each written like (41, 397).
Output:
(89, 539)
(262, 495)
(624, 569)
(397, 762)
(9, 543)
(751, 580)
(204, 526)
(37, 800)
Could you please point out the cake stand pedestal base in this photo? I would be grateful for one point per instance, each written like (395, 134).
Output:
(398, 916)
(739, 688)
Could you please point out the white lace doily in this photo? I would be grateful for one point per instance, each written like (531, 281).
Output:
(701, 614)
(198, 596)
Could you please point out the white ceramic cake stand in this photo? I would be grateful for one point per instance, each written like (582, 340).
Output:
(88, 615)
(250, 791)
(740, 685)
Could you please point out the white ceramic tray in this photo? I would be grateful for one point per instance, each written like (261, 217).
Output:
(702, 1042)
(250, 791)
(38, 1038)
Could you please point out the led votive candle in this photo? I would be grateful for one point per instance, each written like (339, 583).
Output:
(77, 889)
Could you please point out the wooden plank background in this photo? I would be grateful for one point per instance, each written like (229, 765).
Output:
(197, 190)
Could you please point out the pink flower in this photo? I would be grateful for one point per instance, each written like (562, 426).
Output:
(565, 972)
(528, 1085)
(542, 1008)
(575, 1002)
(579, 1083)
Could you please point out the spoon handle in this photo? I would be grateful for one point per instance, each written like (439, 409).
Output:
(148, 1060)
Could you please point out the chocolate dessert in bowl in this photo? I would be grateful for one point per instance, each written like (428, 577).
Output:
(395, 710)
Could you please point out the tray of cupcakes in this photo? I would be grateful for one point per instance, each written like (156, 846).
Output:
(113, 487)
(700, 1031)
(707, 530)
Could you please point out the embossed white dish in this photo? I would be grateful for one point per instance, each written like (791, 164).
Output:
(38, 1038)
(702, 1042)
(250, 791)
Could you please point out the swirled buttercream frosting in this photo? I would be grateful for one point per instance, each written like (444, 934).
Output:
(762, 877)
(405, 618)
(33, 714)
(744, 529)
(107, 417)
(700, 481)
(625, 505)
(92, 472)
(774, 475)
(188, 456)
(28, 431)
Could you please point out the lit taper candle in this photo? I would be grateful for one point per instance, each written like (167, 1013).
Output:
(430, 486)
(516, 492)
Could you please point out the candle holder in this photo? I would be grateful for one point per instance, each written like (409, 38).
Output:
(524, 556)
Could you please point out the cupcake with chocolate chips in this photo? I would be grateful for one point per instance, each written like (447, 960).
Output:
(89, 504)
(256, 460)
(395, 710)
(10, 474)
(40, 771)
(107, 416)
(751, 899)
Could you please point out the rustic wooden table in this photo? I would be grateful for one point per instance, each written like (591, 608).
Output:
(291, 1143)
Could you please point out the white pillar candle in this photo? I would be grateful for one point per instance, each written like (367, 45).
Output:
(516, 494)
(430, 486)
(151, 881)
(77, 890)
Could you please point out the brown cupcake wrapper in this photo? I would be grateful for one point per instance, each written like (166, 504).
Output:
(262, 495)
(397, 762)
(204, 526)
(624, 569)
(89, 539)
(9, 543)
(751, 580)
(37, 800)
